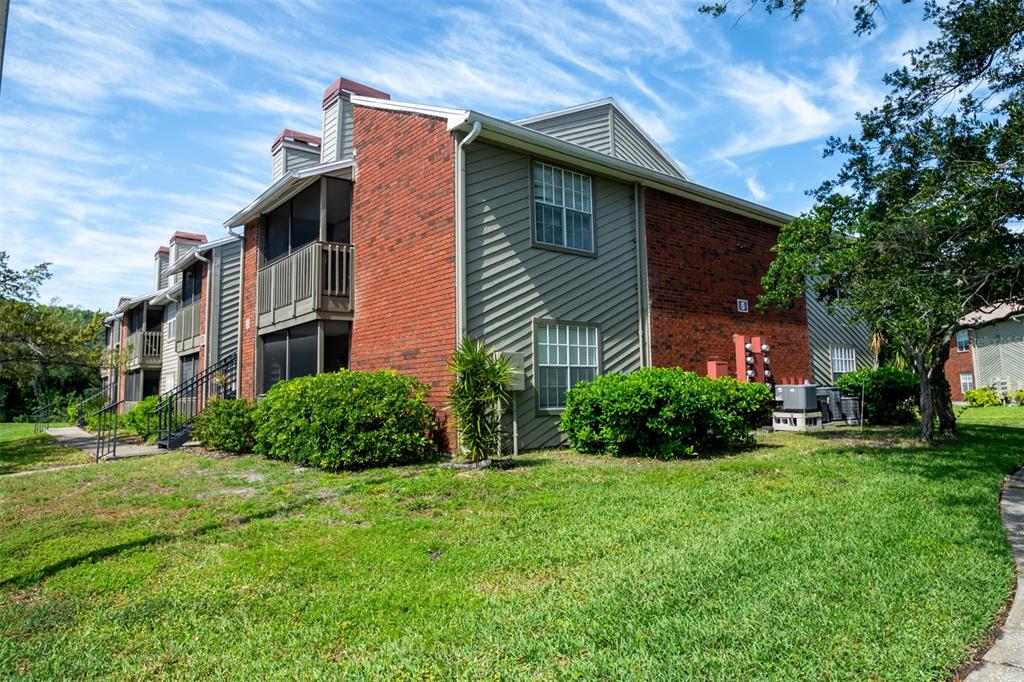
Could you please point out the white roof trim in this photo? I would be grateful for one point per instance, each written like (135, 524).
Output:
(454, 116)
(517, 136)
(132, 302)
(163, 297)
(608, 101)
(189, 257)
(287, 186)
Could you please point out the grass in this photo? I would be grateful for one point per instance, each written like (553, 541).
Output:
(21, 449)
(842, 556)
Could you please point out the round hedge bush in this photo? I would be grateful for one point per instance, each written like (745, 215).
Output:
(890, 395)
(225, 425)
(663, 413)
(345, 420)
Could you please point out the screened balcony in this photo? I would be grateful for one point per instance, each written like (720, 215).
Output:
(317, 278)
(143, 350)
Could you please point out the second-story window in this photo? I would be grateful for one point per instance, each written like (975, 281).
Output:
(963, 341)
(562, 208)
(192, 284)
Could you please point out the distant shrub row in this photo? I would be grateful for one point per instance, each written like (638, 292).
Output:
(663, 413)
(339, 420)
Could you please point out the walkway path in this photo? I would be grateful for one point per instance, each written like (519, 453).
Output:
(1004, 662)
(74, 437)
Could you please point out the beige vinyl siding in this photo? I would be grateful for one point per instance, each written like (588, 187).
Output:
(510, 282)
(229, 289)
(826, 330)
(589, 128)
(168, 358)
(629, 144)
(999, 355)
(336, 140)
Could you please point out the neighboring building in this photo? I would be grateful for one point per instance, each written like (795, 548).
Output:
(164, 333)
(569, 239)
(988, 351)
(838, 346)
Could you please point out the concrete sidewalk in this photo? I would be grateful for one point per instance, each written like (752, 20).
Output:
(74, 437)
(1004, 662)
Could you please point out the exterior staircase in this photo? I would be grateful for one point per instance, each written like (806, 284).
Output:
(178, 408)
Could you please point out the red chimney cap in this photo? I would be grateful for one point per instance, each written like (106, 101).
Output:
(191, 236)
(295, 136)
(345, 85)
(162, 250)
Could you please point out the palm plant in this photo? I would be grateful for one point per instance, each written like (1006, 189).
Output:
(478, 397)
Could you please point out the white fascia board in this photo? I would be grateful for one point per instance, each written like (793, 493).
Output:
(529, 140)
(288, 186)
(131, 303)
(453, 116)
(165, 295)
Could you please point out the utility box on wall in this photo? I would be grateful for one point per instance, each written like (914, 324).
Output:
(517, 362)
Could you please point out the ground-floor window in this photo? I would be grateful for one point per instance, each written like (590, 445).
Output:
(844, 361)
(293, 352)
(567, 353)
(966, 381)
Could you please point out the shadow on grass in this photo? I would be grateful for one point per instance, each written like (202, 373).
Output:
(34, 452)
(40, 574)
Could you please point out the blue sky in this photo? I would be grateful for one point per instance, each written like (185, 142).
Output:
(121, 122)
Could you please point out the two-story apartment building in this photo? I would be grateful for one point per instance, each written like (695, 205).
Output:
(569, 240)
(189, 320)
(988, 351)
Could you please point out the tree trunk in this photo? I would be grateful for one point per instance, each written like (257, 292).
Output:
(940, 391)
(925, 403)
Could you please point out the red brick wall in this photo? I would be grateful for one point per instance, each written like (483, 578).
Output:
(247, 357)
(702, 259)
(958, 362)
(403, 229)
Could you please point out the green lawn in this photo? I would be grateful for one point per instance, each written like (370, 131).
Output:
(841, 557)
(22, 450)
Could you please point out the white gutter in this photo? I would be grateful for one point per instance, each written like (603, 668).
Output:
(461, 314)
(519, 137)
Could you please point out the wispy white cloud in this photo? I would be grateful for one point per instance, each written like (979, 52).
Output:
(756, 190)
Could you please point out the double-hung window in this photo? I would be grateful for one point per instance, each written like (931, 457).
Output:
(963, 341)
(566, 355)
(966, 381)
(563, 211)
(844, 360)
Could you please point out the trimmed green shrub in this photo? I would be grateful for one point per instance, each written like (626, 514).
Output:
(983, 396)
(890, 395)
(89, 409)
(663, 413)
(141, 419)
(225, 425)
(1018, 396)
(478, 396)
(345, 420)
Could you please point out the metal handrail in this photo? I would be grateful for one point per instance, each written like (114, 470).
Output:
(107, 418)
(177, 409)
(43, 416)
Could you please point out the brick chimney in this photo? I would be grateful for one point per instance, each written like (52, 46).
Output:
(293, 150)
(181, 242)
(160, 259)
(337, 130)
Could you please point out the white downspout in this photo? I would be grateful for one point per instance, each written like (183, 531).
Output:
(209, 300)
(461, 315)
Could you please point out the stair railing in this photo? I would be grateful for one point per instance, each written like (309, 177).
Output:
(177, 409)
(107, 418)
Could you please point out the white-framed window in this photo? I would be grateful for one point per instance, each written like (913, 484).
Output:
(566, 355)
(963, 341)
(563, 213)
(169, 329)
(966, 381)
(844, 360)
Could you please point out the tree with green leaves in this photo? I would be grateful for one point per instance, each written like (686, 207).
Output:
(922, 224)
(44, 348)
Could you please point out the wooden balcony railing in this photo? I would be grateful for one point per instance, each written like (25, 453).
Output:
(145, 350)
(186, 328)
(316, 278)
